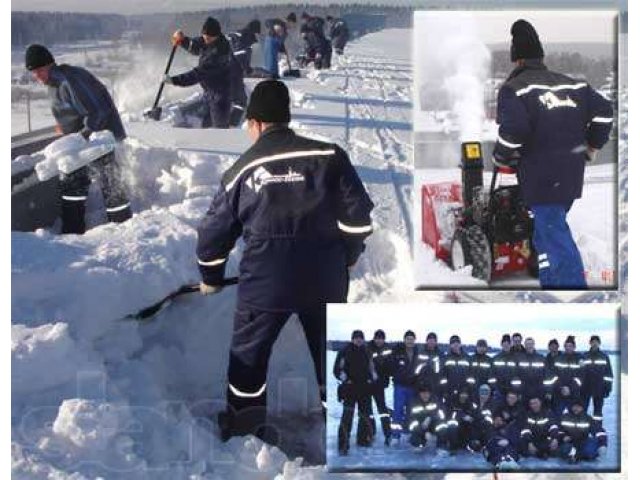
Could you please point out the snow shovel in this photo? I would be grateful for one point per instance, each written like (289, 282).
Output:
(290, 72)
(154, 112)
(147, 313)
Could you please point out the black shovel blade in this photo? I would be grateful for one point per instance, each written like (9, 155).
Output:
(295, 73)
(153, 113)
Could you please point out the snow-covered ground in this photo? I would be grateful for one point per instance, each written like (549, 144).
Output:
(94, 396)
(403, 457)
(592, 219)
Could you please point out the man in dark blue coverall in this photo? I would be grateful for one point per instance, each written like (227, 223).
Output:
(303, 214)
(214, 70)
(550, 126)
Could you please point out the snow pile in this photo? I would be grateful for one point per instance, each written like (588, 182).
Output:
(35, 350)
(71, 152)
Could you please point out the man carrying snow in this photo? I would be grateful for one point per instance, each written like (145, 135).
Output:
(81, 103)
(550, 126)
(303, 214)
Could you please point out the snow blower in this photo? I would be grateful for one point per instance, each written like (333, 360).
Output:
(465, 224)
(154, 112)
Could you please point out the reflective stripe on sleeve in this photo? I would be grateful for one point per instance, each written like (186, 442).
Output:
(118, 208)
(240, 393)
(508, 144)
(354, 229)
(212, 263)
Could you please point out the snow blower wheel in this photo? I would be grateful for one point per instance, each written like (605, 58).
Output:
(470, 246)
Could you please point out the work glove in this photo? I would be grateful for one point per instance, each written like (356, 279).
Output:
(565, 391)
(177, 38)
(554, 444)
(426, 422)
(503, 442)
(467, 418)
(343, 376)
(166, 78)
(592, 154)
(209, 289)
(510, 162)
(602, 451)
(532, 449)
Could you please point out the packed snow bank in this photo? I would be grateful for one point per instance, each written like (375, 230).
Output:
(35, 350)
(111, 271)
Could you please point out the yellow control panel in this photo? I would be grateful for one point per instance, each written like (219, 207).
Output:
(472, 150)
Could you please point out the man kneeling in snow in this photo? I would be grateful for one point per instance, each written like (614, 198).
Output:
(582, 437)
(304, 215)
(81, 103)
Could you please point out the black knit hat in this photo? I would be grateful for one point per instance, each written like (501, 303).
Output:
(525, 42)
(505, 338)
(37, 56)
(432, 335)
(380, 334)
(269, 102)
(482, 343)
(357, 334)
(553, 341)
(596, 338)
(409, 333)
(571, 339)
(211, 27)
(292, 17)
(577, 401)
(454, 339)
(424, 387)
(254, 26)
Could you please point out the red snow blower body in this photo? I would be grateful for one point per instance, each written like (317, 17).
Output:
(466, 224)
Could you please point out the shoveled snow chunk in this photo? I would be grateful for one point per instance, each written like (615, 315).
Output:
(88, 424)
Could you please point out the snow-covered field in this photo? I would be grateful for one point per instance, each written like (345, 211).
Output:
(592, 219)
(402, 456)
(94, 396)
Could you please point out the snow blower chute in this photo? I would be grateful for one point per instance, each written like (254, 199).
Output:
(467, 225)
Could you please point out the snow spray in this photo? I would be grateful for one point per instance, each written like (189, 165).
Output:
(455, 63)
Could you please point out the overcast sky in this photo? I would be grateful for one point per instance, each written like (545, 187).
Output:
(474, 321)
(562, 26)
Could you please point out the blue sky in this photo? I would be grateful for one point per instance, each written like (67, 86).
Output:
(473, 321)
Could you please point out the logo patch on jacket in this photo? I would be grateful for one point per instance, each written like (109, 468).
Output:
(261, 177)
(550, 100)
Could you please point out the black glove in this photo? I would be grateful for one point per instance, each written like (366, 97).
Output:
(86, 133)
(510, 162)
